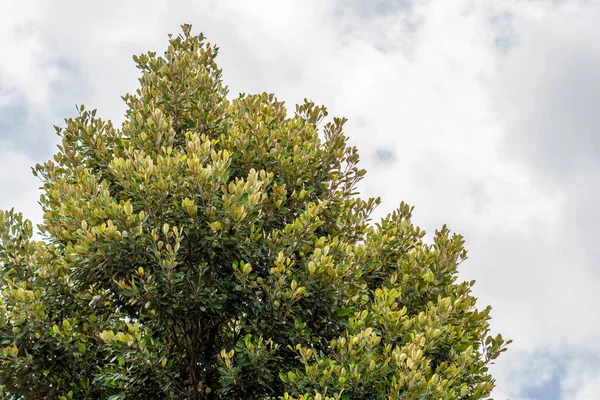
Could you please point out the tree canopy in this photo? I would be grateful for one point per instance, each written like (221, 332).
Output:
(217, 248)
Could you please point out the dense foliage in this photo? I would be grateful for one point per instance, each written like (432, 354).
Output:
(217, 249)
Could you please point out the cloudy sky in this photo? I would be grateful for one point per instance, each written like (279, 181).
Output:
(481, 114)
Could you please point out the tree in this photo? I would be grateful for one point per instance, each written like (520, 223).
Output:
(217, 249)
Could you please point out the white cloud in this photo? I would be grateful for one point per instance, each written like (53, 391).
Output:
(582, 379)
(547, 93)
(18, 186)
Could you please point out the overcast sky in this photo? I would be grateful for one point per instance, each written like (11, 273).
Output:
(482, 114)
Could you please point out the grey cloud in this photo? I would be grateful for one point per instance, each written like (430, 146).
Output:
(550, 87)
(12, 117)
(20, 126)
(382, 7)
(387, 25)
(502, 26)
(549, 93)
(547, 97)
(581, 378)
(385, 156)
(18, 186)
(539, 376)
(36, 87)
(550, 390)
